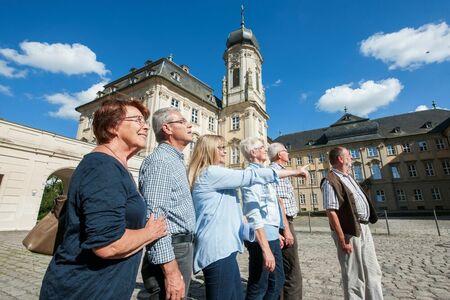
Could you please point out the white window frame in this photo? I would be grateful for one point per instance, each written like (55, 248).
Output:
(401, 195)
(310, 158)
(375, 174)
(436, 194)
(194, 116)
(299, 161)
(423, 146)
(322, 158)
(429, 168)
(235, 122)
(312, 178)
(380, 196)
(418, 196)
(359, 167)
(440, 144)
(412, 170)
(395, 171)
(406, 147)
(301, 180)
(314, 199)
(390, 149)
(235, 155)
(446, 166)
(355, 153)
(302, 199)
(372, 151)
(175, 103)
(211, 124)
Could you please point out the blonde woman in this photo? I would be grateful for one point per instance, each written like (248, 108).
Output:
(219, 228)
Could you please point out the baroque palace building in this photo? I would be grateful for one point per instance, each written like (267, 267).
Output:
(402, 161)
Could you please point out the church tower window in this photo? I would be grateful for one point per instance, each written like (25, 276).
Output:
(236, 77)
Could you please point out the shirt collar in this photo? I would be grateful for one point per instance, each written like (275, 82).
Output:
(340, 173)
(256, 165)
(277, 165)
(172, 150)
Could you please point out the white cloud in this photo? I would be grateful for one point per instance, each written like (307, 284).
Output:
(304, 96)
(410, 48)
(361, 101)
(5, 90)
(57, 58)
(10, 72)
(421, 107)
(68, 101)
(277, 83)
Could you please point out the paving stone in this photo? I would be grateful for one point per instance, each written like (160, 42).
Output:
(411, 259)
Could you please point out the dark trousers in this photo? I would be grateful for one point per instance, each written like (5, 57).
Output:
(263, 284)
(153, 276)
(293, 285)
(223, 279)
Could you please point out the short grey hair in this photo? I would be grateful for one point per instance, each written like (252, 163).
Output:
(161, 116)
(249, 144)
(274, 149)
(334, 154)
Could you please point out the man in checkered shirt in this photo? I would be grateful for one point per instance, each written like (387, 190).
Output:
(292, 289)
(167, 265)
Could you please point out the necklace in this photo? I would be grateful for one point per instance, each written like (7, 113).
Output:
(114, 153)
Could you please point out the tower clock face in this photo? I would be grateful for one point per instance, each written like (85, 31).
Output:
(234, 60)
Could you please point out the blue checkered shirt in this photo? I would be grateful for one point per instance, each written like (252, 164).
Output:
(164, 185)
(286, 192)
(330, 200)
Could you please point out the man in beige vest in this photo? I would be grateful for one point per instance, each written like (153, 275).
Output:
(349, 211)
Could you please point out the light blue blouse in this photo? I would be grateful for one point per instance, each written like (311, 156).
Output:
(262, 207)
(219, 227)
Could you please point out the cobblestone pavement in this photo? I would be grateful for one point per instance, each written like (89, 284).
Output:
(415, 262)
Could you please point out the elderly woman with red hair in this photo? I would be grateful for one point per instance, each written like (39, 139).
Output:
(106, 227)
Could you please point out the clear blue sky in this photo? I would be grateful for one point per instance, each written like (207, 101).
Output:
(378, 58)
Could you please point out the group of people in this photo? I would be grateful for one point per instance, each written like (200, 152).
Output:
(191, 220)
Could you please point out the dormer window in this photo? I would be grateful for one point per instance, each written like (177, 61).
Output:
(132, 80)
(310, 143)
(176, 76)
(396, 129)
(427, 124)
(150, 72)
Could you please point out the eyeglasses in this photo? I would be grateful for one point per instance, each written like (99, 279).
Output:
(138, 119)
(261, 148)
(181, 121)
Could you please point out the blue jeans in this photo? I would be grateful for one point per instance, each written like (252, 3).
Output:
(223, 279)
(263, 284)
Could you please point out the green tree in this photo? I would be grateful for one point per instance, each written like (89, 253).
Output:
(53, 188)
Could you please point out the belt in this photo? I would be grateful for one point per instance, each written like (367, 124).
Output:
(364, 222)
(289, 218)
(182, 238)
